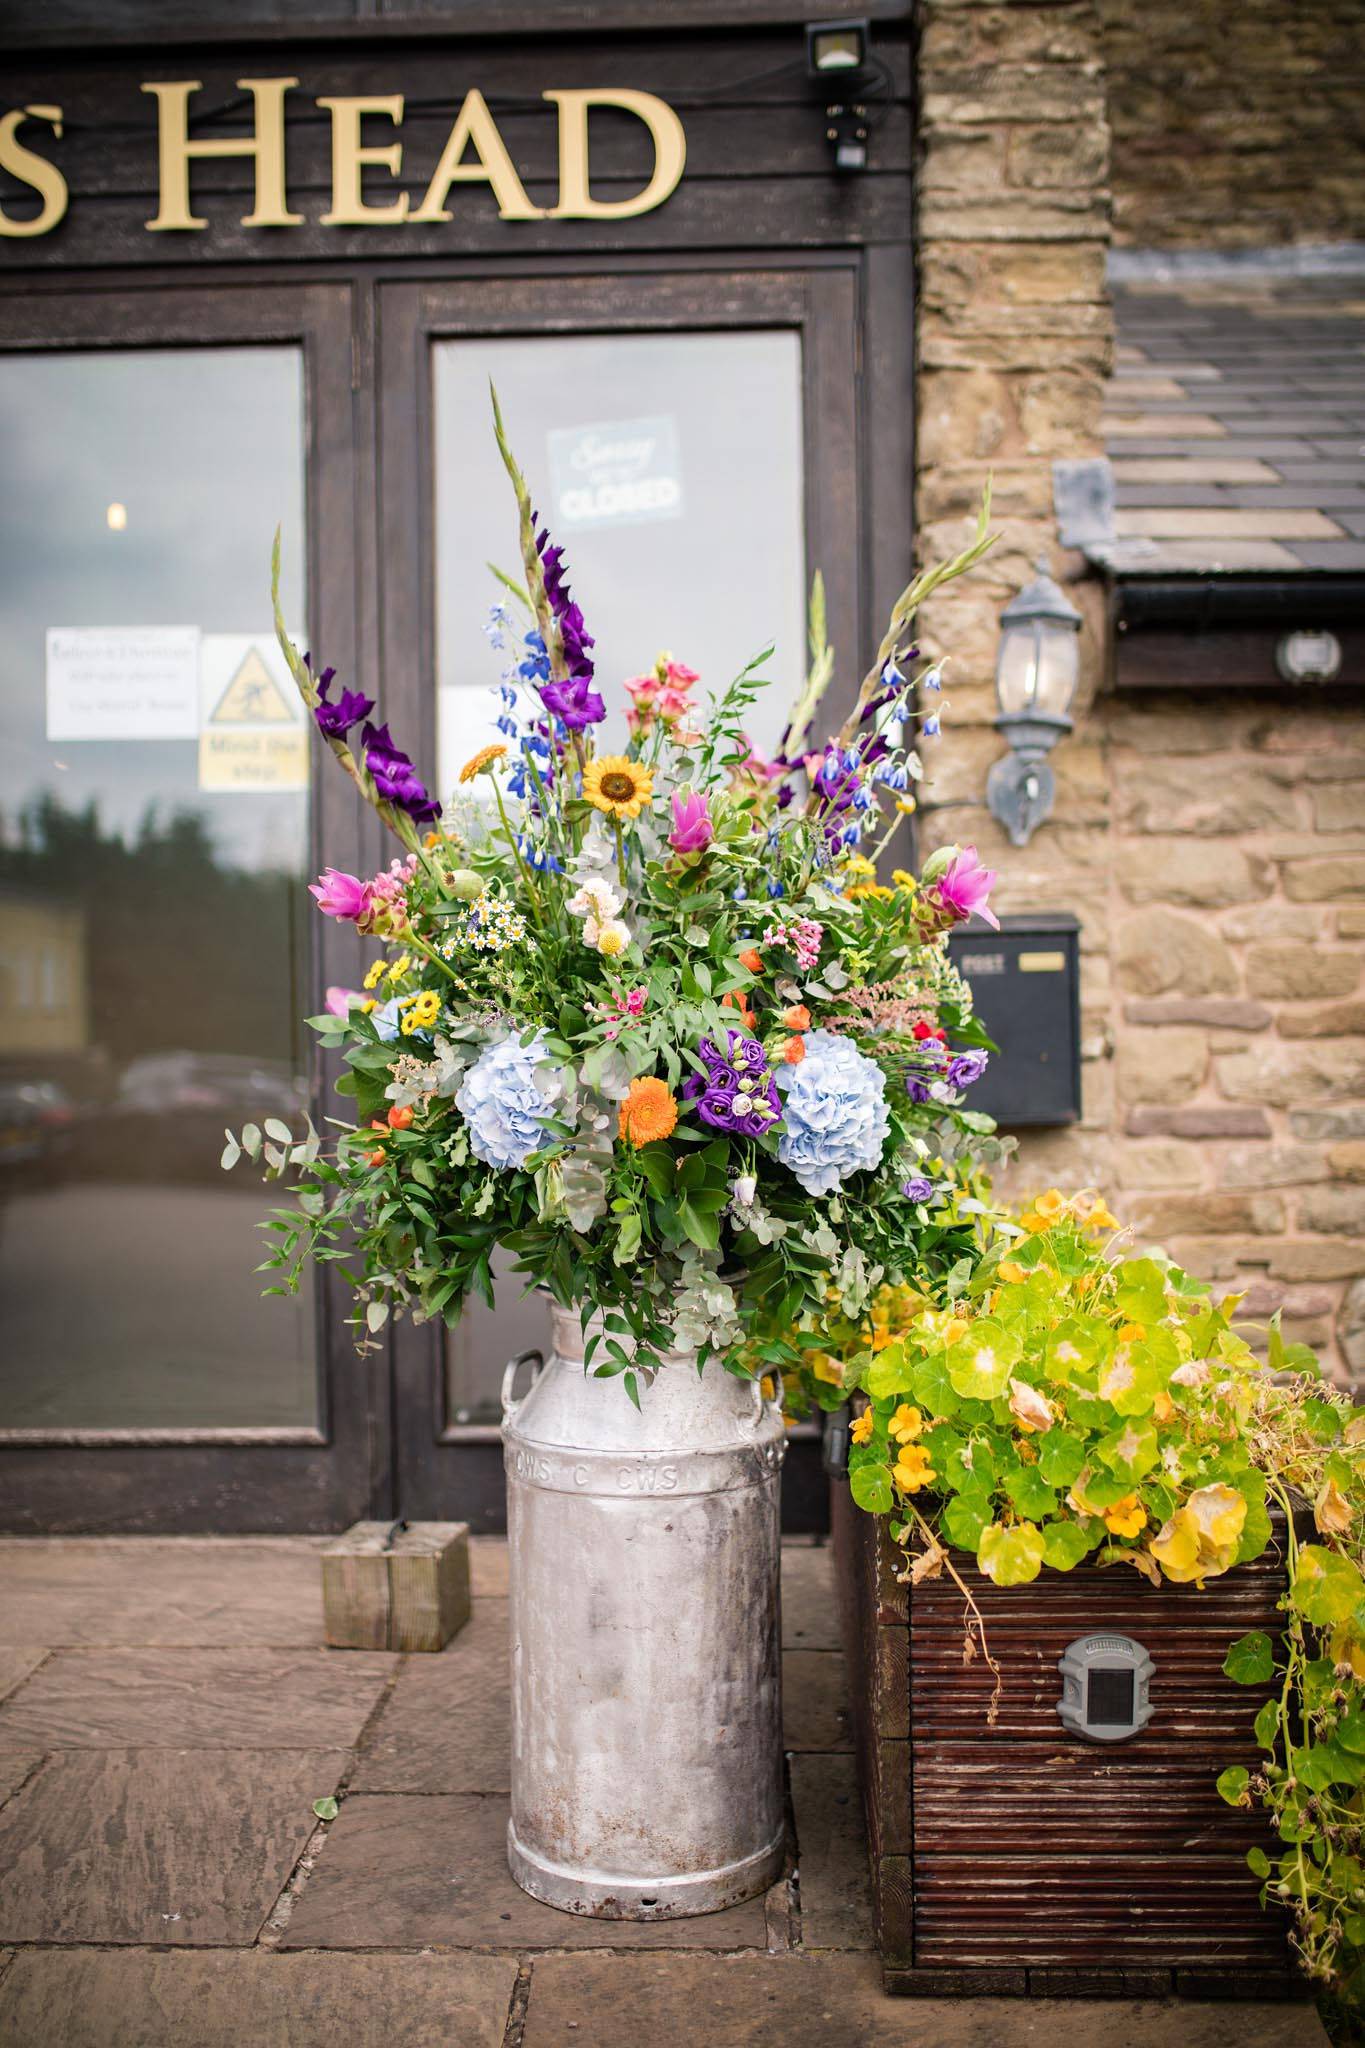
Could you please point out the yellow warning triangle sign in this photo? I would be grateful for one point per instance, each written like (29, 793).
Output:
(252, 697)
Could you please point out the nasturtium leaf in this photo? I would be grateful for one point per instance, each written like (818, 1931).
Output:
(326, 1809)
(964, 1518)
(979, 1363)
(1065, 1544)
(1327, 1586)
(1267, 1724)
(1010, 1556)
(1141, 1290)
(1353, 1927)
(970, 1468)
(1251, 1659)
(1258, 1863)
(889, 1373)
(1131, 1450)
(1060, 1457)
(1315, 1767)
(1351, 1732)
(1232, 1785)
(941, 1442)
(931, 1386)
(1030, 1493)
(871, 1487)
(1256, 1532)
(1077, 1343)
(1347, 1768)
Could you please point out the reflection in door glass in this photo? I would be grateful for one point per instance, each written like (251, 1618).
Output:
(153, 837)
(669, 466)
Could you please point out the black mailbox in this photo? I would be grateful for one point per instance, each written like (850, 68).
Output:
(1025, 982)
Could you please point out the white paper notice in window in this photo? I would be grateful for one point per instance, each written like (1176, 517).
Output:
(617, 473)
(122, 682)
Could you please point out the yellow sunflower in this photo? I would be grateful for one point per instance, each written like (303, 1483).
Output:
(618, 786)
(485, 758)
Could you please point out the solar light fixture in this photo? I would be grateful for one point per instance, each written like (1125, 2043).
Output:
(838, 55)
(1106, 1683)
(1036, 672)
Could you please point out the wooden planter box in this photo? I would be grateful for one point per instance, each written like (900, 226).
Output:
(1027, 1859)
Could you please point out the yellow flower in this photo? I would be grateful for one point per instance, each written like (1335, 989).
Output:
(1033, 1222)
(420, 1011)
(861, 1428)
(860, 867)
(368, 1005)
(485, 758)
(905, 1424)
(1010, 1270)
(902, 877)
(1126, 1517)
(906, 805)
(955, 1327)
(1050, 1204)
(877, 890)
(1132, 1333)
(912, 1469)
(399, 967)
(617, 786)
(1101, 1218)
(376, 972)
(828, 1369)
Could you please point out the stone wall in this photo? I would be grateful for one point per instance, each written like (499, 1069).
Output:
(1213, 847)
(1236, 125)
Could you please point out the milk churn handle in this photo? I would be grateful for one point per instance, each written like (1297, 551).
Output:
(751, 1422)
(532, 1358)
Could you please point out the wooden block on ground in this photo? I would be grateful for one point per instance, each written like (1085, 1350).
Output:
(396, 1587)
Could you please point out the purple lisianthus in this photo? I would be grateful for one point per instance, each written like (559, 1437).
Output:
(918, 1189)
(736, 1093)
(692, 828)
(334, 721)
(395, 778)
(966, 1067)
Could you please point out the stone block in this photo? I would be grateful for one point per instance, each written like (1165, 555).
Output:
(1051, 153)
(1322, 881)
(396, 1586)
(1161, 1066)
(966, 412)
(1351, 922)
(1181, 796)
(1267, 923)
(1328, 1123)
(1332, 1020)
(1159, 1163)
(1202, 1120)
(1159, 951)
(1224, 1013)
(1171, 871)
(1157, 729)
(1335, 1209)
(1300, 973)
(1347, 1160)
(1339, 807)
(1202, 1215)
(1271, 1166)
(1321, 1258)
(1275, 1074)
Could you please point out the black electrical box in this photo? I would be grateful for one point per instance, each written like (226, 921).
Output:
(1026, 985)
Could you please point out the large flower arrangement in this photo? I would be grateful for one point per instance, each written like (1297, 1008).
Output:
(646, 1019)
(1049, 1399)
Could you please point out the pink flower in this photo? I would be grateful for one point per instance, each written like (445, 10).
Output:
(642, 688)
(680, 676)
(339, 1002)
(692, 829)
(963, 887)
(635, 1002)
(342, 896)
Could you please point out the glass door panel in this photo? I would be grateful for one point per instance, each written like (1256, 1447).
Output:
(153, 847)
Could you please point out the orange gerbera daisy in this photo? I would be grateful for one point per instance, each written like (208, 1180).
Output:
(648, 1112)
(485, 758)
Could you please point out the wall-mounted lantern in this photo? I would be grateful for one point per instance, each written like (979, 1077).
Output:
(839, 60)
(1036, 672)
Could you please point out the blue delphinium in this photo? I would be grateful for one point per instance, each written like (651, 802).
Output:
(506, 1100)
(835, 1118)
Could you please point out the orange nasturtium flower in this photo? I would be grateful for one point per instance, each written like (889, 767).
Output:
(912, 1469)
(649, 1110)
(905, 1424)
(1126, 1517)
(860, 1430)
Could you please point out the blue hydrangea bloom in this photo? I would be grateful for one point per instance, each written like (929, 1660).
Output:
(506, 1103)
(834, 1119)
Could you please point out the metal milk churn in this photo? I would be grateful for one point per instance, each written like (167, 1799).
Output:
(646, 1681)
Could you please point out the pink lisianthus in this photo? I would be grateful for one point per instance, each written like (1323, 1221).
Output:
(339, 1002)
(342, 896)
(692, 828)
(963, 886)
(665, 696)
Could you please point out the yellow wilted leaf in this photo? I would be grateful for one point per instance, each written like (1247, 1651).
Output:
(1176, 1547)
(1332, 1511)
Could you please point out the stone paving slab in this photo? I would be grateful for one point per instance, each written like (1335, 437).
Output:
(193, 1590)
(837, 2001)
(836, 1896)
(815, 1701)
(446, 1726)
(810, 1614)
(488, 1567)
(101, 1999)
(403, 1872)
(218, 1699)
(158, 1846)
(16, 1768)
(16, 1663)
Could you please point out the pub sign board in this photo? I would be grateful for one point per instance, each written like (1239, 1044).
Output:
(1025, 982)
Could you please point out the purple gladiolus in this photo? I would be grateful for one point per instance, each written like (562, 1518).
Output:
(963, 887)
(334, 721)
(736, 1093)
(395, 778)
(692, 828)
(575, 702)
(342, 896)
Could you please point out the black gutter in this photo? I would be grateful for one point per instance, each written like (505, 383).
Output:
(1200, 603)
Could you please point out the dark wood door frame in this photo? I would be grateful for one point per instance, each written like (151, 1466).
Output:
(858, 483)
(189, 1480)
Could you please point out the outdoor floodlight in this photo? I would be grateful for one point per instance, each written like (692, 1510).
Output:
(838, 56)
(1036, 672)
